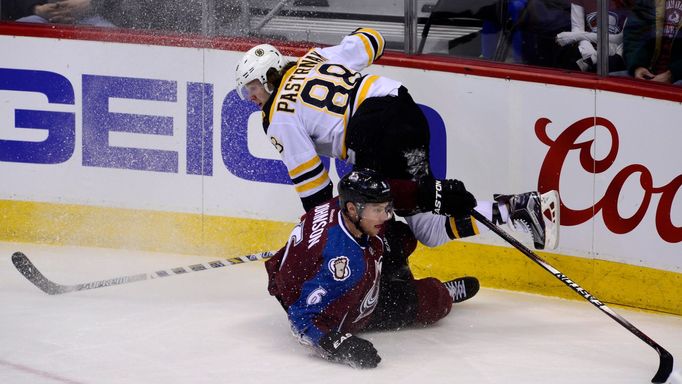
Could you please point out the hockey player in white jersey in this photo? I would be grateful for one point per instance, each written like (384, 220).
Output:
(322, 104)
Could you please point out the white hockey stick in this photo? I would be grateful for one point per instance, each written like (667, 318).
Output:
(26, 268)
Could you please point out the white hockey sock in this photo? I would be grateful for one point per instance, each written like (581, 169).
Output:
(487, 208)
(428, 228)
(434, 230)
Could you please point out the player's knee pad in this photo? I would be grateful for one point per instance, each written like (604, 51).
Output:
(433, 301)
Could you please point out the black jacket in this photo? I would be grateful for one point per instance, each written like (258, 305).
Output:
(640, 38)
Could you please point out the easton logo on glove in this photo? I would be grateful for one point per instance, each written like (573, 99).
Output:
(445, 197)
(438, 187)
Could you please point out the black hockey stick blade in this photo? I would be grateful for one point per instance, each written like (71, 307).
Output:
(665, 366)
(30, 272)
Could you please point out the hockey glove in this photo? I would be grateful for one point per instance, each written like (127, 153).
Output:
(445, 197)
(349, 349)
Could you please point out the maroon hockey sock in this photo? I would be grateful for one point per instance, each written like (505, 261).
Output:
(433, 301)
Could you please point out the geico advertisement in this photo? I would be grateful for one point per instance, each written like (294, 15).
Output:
(161, 128)
(142, 127)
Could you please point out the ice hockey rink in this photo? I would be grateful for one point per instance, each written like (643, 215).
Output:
(221, 326)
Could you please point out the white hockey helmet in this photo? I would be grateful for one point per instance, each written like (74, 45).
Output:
(255, 64)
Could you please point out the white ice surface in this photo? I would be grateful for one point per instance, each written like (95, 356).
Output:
(220, 326)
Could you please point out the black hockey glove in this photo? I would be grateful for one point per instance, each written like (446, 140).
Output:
(445, 197)
(349, 349)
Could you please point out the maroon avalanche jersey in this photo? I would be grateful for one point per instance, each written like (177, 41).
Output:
(326, 279)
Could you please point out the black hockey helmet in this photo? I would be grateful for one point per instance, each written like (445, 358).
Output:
(363, 186)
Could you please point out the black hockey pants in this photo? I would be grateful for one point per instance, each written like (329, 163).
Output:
(390, 135)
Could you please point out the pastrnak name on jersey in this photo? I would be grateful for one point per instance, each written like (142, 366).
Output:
(293, 81)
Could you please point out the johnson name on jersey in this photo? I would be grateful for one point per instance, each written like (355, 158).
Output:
(309, 113)
(324, 278)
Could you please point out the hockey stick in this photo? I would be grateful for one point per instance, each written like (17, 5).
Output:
(26, 268)
(665, 366)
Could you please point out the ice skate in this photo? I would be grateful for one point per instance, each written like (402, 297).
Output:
(536, 214)
(462, 288)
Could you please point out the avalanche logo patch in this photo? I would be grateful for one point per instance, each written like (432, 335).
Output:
(315, 296)
(372, 297)
(339, 268)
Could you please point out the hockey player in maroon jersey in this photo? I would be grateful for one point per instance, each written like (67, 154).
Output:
(333, 280)
(322, 105)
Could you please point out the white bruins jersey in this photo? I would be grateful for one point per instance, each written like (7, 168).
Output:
(308, 114)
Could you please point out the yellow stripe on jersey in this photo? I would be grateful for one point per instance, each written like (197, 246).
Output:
(321, 180)
(368, 48)
(314, 181)
(379, 40)
(474, 226)
(344, 149)
(364, 89)
(464, 227)
(308, 165)
(284, 80)
(453, 227)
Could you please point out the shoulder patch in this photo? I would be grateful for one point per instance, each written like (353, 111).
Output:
(339, 268)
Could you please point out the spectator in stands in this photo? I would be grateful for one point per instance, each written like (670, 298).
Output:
(64, 12)
(539, 23)
(15, 9)
(652, 42)
(579, 50)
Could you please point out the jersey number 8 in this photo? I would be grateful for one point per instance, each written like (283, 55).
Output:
(327, 92)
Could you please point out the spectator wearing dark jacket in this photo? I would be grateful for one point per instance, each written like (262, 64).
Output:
(652, 42)
(16, 9)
